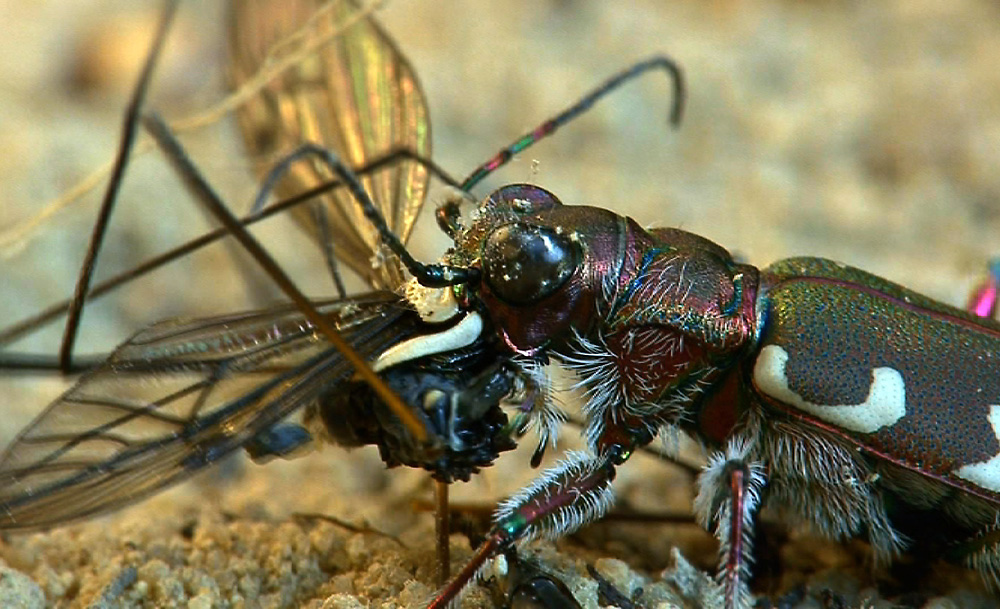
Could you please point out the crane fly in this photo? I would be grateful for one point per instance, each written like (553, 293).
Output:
(107, 442)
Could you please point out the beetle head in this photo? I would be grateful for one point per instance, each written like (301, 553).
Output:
(542, 264)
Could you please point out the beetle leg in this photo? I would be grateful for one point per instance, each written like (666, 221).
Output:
(575, 492)
(729, 491)
(982, 554)
(983, 301)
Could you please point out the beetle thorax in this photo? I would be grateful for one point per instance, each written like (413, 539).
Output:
(671, 324)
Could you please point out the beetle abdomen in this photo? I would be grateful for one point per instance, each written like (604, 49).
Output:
(912, 382)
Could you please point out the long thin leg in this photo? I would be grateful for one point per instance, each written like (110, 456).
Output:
(430, 275)
(40, 363)
(129, 129)
(442, 530)
(322, 221)
(205, 195)
(318, 208)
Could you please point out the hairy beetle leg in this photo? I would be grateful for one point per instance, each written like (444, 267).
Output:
(729, 492)
(575, 492)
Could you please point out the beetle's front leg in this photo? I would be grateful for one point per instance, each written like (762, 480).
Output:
(729, 491)
(575, 492)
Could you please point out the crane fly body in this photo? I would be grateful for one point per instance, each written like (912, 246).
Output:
(594, 263)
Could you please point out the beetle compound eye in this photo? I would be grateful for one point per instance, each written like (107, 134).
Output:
(524, 264)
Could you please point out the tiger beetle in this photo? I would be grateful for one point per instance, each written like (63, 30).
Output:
(805, 379)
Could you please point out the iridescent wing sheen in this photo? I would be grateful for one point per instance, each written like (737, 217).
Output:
(354, 93)
(175, 398)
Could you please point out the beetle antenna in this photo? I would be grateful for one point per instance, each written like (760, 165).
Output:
(389, 159)
(659, 62)
(429, 275)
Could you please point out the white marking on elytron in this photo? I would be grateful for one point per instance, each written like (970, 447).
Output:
(434, 305)
(985, 474)
(461, 335)
(885, 404)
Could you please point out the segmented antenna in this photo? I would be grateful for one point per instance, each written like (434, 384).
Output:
(429, 275)
(549, 127)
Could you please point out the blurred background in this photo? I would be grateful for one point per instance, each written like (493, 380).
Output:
(863, 132)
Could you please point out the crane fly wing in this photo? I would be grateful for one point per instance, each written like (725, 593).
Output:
(355, 94)
(176, 397)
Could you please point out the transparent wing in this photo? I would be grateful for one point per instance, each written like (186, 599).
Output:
(347, 88)
(176, 397)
